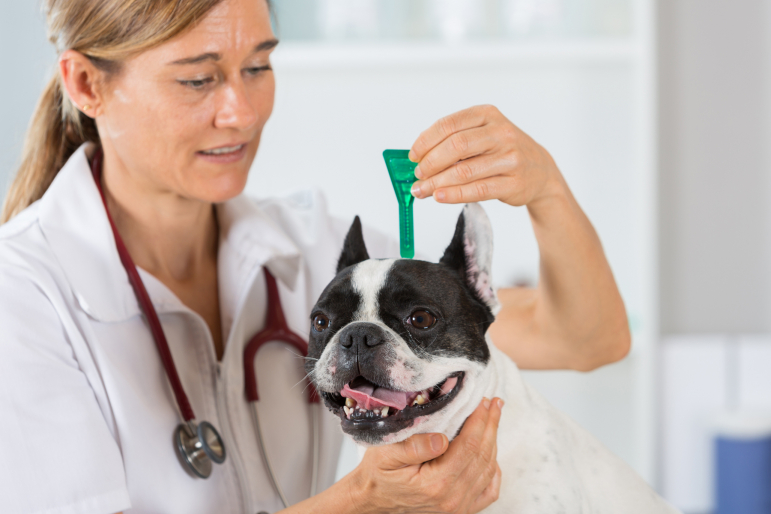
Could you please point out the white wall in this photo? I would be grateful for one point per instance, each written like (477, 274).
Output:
(715, 171)
(715, 230)
(25, 61)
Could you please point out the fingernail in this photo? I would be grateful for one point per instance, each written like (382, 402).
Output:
(418, 173)
(439, 195)
(437, 442)
(415, 190)
(486, 403)
(411, 156)
(500, 403)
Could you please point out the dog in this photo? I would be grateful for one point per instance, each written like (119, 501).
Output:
(399, 347)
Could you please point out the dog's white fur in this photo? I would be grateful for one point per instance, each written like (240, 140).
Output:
(550, 464)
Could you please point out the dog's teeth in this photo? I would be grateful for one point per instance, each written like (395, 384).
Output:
(384, 412)
(350, 403)
(347, 412)
(420, 400)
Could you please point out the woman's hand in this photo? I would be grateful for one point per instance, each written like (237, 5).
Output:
(575, 317)
(425, 473)
(478, 154)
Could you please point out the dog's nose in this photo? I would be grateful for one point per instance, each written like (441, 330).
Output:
(365, 335)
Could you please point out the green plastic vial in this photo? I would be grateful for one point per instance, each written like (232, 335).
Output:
(402, 172)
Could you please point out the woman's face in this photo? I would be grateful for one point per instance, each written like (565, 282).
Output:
(186, 117)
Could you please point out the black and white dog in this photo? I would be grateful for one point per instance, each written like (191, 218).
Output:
(399, 347)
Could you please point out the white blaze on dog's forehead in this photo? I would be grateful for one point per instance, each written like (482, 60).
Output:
(368, 279)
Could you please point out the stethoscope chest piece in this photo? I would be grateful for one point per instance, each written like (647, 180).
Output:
(198, 446)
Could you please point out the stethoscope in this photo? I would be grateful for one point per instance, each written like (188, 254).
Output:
(198, 444)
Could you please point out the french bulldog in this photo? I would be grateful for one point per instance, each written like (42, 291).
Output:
(399, 347)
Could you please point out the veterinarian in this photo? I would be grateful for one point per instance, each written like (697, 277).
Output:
(174, 95)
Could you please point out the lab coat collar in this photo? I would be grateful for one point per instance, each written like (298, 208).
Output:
(74, 222)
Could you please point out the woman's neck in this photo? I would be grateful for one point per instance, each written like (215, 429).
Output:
(172, 237)
(167, 235)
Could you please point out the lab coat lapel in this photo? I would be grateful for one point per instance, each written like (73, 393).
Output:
(73, 220)
(249, 240)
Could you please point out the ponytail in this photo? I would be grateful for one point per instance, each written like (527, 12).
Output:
(56, 131)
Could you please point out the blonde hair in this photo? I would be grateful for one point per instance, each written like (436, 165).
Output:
(107, 32)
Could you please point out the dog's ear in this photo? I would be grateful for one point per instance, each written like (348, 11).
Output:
(354, 250)
(471, 254)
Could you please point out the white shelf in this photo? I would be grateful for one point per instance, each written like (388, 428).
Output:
(358, 55)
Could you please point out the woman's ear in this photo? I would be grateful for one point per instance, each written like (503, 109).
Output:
(80, 79)
(470, 254)
(354, 249)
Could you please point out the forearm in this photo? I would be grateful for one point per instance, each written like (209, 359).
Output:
(575, 318)
(338, 499)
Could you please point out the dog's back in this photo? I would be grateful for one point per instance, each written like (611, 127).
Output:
(551, 465)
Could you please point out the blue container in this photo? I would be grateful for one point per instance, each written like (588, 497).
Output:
(743, 464)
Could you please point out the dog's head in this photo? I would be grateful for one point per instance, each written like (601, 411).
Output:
(398, 346)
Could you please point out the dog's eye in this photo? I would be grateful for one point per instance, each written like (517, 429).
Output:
(421, 319)
(320, 323)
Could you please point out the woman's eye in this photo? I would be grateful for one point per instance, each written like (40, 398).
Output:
(257, 70)
(421, 319)
(320, 323)
(196, 83)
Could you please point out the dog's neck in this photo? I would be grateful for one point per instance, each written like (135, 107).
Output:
(490, 383)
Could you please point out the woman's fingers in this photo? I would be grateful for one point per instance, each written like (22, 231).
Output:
(488, 444)
(465, 448)
(478, 191)
(463, 172)
(490, 494)
(457, 147)
(478, 154)
(449, 125)
(416, 450)
(485, 470)
(472, 455)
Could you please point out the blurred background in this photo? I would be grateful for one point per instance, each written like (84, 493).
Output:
(658, 114)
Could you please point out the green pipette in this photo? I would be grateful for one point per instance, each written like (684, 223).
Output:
(402, 173)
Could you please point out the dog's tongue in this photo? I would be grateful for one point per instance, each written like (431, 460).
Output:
(369, 396)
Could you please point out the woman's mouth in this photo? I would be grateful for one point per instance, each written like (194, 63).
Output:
(224, 154)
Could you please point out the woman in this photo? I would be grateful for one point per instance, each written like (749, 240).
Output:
(174, 94)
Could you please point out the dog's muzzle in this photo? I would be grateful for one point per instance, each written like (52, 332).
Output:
(366, 397)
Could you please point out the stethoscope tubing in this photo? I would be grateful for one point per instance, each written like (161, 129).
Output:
(190, 437)
(186, 409)
(266, 457)
(277, 330)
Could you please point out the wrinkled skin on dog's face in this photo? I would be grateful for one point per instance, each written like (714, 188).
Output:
(398, 346)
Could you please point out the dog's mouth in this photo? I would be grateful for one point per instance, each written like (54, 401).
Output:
(364, 405)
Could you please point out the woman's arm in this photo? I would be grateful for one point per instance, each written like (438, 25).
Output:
(574, 318)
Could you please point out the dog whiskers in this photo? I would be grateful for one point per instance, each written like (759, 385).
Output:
(307, 376)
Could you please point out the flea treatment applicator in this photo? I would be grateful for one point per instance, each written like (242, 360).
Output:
(402, 173)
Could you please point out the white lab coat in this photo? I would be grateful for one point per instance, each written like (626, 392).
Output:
(86, 412)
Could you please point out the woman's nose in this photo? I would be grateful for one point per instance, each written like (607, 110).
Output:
(236, 109)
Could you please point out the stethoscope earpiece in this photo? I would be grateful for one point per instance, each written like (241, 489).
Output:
(198, 446)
